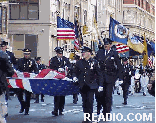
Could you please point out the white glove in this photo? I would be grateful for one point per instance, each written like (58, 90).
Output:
(130, 73)
(100, 89)
(120, 82)
(75, 79)
(60, 70)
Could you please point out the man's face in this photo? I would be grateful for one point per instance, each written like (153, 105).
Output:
(3, 48)
(59, 55)
(86, 54)
(107, 46)
(38, 62)
(26, 55)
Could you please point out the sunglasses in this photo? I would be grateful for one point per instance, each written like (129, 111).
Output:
(26, 53)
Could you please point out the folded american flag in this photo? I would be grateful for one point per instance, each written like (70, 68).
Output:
(48, 82)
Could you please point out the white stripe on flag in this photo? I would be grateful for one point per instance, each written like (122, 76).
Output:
(13, 83)
(51, 75)
(26, 84)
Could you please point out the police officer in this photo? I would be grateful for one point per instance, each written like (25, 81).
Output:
(6, 70)
(127, 73)
(40, 67)
(26, 64)
(110, 65)
(11, 55)
(11, 59)
(87, 73)
(59, 62)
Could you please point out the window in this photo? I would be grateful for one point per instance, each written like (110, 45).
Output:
(4, 20)
(0, 19)
(85, 16)
(24, 9)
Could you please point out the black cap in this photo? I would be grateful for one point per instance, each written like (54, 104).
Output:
(86, 49)
(107, 41)
(3, 43)
(59, 50)
(26, 50)
(124, 59)
(37, 58)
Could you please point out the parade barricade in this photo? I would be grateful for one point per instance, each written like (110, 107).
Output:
(47, 82)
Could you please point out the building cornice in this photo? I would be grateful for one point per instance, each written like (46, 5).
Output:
(137, 7)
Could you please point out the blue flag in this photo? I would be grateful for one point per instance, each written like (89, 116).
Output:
(117, 32)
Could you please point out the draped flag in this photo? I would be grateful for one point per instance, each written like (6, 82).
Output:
(48, 82)
(65, 29)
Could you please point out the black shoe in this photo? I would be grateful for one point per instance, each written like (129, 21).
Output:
(21, 111)
(54, 113)
(60, 113)
(74, 101)
(144, 94)
(42, 100)
(26, 113)
(36, 101)
(6, 115)
(125, 103)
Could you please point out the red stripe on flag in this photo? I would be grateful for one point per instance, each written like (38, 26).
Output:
(65, 38)
(19, 83)
(65, 31)
(65, 34)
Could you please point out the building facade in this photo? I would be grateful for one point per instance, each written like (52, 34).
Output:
(33, 23)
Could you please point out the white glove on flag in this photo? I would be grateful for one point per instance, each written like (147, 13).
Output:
(75, 79)
(100, 89)
(60, 70)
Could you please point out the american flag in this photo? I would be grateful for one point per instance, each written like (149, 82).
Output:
(48, 82)
(150, 62)
(120, 48)
(65, 29)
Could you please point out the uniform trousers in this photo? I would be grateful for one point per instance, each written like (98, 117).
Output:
(25, 104)
(59, 102)
(3, 108)
(107, 97)
(125, 88)
(87, 99)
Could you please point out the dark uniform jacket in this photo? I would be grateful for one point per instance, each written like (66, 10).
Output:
(27, 65)
(41, 66)
(110, 65)
(6, 70)
(11, 57)
(126, 75)
(55, 63)
(88, 73)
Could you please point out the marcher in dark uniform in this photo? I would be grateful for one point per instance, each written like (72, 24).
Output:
(89, 77)
(75, 96)
(59, 63)
(40, 67)
(12, 60)
(26, 64)
(6, 70)
(110, 65)
(127, 72)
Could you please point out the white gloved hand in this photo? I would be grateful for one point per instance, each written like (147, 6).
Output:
(75, 79)
(100, 89)
(60, 70)
(130, 73)
(120, 82)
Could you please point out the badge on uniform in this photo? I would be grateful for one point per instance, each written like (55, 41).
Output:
(30, 64)
(91, 66)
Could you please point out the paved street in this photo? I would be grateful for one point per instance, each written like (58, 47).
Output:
(41, 113)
